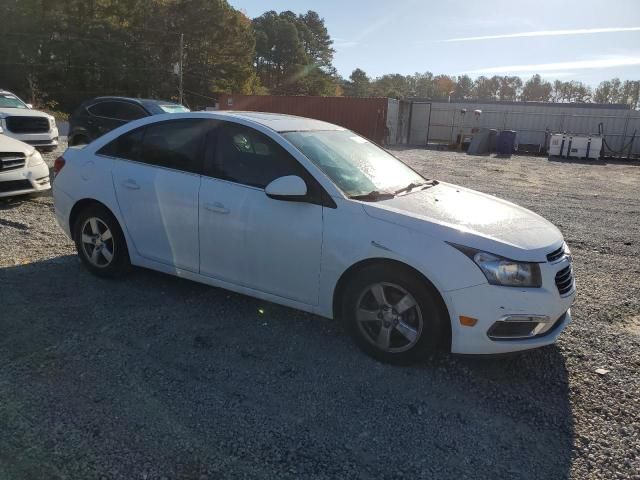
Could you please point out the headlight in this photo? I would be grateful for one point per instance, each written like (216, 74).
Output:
(52, 122)
(502, 271)
(34, 159)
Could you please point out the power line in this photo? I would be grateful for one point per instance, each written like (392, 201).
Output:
(90, 68)
(65, 37)
(200, 95)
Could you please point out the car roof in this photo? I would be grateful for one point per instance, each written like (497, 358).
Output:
(279, 121)
(140, 101)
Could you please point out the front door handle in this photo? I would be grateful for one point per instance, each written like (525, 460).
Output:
(216, 207)
(131, 184)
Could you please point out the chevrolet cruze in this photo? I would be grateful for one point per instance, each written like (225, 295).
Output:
(313, 216)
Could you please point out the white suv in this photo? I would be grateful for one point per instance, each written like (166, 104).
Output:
(20, 121)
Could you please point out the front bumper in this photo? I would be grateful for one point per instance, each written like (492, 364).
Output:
(490, 304)
(40, 140)
(25, 180)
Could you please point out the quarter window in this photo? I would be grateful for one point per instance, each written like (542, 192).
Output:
(243, 155)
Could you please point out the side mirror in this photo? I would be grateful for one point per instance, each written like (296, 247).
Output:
(291, 188)
(29, 106)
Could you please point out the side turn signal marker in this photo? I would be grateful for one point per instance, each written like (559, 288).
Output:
(468, 321)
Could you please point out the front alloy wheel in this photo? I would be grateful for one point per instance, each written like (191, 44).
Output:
(389, 317)
(393, 313)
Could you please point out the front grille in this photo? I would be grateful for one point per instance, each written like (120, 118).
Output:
(27, 124)
(564, 280)
(556, 254)
(11, 161)
(15, 185)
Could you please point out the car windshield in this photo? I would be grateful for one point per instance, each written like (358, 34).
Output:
(174, 108)
(11, 101)
(353, 163)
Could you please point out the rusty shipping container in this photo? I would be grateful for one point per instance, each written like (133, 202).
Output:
(366, 116)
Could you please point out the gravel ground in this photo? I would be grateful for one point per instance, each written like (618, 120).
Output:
(155, 377)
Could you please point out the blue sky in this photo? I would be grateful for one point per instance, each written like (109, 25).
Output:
(588, 40)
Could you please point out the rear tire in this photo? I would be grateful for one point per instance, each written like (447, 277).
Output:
(393, 314)
(80, 140)
(100, 242)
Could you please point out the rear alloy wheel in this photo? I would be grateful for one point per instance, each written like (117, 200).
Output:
(100, 242)
(97, 242)
(393, 314)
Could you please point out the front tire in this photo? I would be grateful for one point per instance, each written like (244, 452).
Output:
(393, 314)
(100, 242)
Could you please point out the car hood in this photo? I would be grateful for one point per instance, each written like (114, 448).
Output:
(466, 217)
(8, 144)
(22, 112)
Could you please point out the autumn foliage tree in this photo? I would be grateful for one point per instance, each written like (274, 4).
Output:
(60, 53)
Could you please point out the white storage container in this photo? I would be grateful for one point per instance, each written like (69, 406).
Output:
(575, 146)
(556, 144)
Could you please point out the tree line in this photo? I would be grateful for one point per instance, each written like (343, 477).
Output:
(58, 54)
(495, 88)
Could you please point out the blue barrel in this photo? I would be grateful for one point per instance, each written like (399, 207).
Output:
(506, 143)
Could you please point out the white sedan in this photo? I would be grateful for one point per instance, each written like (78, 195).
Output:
(22, 169)
(310, 215)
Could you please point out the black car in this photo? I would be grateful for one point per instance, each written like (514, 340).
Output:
(102, 114)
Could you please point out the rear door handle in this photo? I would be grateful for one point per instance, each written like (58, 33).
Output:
(131, 184)
(216, 207)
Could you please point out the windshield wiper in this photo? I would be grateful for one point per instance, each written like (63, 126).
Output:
(372, 196)
(413, 185)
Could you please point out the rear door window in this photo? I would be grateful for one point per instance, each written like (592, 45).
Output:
(127, 145)
(103, 109)
(128, 111)
(117, 110)
(176, 144)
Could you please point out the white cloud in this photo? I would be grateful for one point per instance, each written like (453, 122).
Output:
(344, 44)
(548, 74)
(607, 62)
(547, 33)
(366, 31)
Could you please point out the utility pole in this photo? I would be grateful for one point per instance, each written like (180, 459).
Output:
(180, 65)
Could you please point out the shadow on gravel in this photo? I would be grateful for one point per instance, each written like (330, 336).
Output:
(601, 162)
(7, 203)
(154, 376)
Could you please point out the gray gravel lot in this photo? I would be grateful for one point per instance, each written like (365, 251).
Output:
(155, 377)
